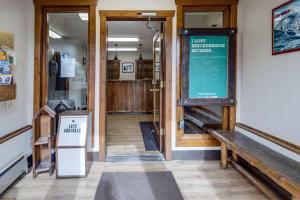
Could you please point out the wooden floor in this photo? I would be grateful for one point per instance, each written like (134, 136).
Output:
(197, 180)
(124, 137)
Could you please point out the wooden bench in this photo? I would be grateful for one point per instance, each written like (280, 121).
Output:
(204, 121)
(282, 170)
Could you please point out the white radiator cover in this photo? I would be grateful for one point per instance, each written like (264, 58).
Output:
(10, 172)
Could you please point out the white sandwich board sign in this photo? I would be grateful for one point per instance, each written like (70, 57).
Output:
(71, 144)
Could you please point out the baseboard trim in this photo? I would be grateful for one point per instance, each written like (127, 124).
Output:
(196, 155)
(93, 156)
(177, 155)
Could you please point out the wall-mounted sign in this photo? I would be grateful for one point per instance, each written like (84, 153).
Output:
(208, 67)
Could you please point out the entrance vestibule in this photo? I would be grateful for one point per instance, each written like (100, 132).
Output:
(135, 71)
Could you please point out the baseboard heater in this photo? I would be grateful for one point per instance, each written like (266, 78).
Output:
(10, 172)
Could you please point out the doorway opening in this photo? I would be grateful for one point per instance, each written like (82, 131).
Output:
(135, 81)
(135, 70)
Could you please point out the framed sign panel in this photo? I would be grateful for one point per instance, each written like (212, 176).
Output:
(208, 67)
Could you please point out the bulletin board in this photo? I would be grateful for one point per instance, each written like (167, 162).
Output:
(208, 67)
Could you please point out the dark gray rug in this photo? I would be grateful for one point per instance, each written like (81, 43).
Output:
(148, 129)
(138, 186)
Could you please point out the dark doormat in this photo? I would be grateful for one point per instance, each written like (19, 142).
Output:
(148, 136)
(138, 186)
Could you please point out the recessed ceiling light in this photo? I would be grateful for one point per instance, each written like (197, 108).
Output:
(84, 16)
(122, 49)
(128, 39)
(54, 35)
(148, 14)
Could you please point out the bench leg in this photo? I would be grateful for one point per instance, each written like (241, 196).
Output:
(224, 156)
(235, 157)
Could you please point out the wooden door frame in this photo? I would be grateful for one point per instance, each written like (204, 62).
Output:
(134, 15)
(229, 9)
(42, 7)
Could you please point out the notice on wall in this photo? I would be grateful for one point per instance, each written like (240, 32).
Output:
(6, 40)
(67, 67)
(208, 67)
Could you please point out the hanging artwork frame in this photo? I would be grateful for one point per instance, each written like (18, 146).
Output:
(286, 28)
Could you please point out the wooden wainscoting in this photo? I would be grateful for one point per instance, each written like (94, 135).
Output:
(129, 96)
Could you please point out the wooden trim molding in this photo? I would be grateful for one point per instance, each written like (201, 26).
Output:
(134, 15)
(42, 7)
(228, 116)
(285, 144)
(15, 133)
(206, 2)
(65, 2)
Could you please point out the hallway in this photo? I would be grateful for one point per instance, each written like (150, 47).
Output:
(124, 137)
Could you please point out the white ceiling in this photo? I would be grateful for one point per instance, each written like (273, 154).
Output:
(133, 29)
(70, 26)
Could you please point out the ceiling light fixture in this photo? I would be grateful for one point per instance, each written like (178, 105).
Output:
(115, 39)
(84, 16)
(122, 49)
(54, 35)
(148, 14)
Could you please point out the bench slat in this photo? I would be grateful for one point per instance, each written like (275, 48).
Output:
(202, 121)
(287, 170)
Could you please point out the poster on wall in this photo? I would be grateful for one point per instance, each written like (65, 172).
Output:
(208, 72)
(7, 40)
(286, 27)
(67, 67)
(208, 67)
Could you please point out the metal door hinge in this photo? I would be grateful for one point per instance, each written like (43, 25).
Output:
(161, 131)
(162, 36)
(162, 84)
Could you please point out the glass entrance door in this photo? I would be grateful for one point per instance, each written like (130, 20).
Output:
(158, 86)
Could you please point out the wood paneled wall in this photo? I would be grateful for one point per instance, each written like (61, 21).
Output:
(129, 96)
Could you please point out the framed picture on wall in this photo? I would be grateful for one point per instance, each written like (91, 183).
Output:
(286, 28)
(127, 67)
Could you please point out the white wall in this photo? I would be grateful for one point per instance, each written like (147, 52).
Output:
(17, 16)
(268, 85)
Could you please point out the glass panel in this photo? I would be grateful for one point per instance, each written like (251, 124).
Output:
(200, 20)
(203, 20)
(156, 85)
(67, 60)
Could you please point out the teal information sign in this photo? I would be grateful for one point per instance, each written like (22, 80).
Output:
(208, 67)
